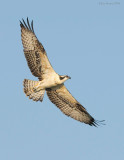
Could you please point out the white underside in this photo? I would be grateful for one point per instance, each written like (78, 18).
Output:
(50, 81)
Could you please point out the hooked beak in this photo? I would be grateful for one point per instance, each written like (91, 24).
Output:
(69, 77)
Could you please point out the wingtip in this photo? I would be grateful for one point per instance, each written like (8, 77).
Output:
(32, 26)
(97, 123)
(21, 24)
(27, 25)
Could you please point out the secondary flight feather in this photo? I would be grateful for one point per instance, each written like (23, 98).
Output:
(49, 80)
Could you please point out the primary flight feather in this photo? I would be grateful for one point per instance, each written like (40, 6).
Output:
(49, 80)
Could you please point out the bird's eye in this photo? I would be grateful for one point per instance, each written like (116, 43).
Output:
(61, 78)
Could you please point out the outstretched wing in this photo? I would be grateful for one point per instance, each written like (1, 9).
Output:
(34, 51)
(62, 98)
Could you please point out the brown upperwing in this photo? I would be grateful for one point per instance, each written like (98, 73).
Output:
(62, 98)
(34, 51)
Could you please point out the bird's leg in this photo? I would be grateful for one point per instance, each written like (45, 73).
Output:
(37, 88)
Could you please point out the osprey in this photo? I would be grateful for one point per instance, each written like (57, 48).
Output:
(49, 80)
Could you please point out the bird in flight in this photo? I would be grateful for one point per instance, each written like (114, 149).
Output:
(49, 80)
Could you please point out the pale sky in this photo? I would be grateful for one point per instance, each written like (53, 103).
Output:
(84, 39)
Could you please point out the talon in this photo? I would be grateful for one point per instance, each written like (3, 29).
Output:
(34, 89)
(37, 89)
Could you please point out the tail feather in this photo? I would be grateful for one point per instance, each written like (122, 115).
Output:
(29, 90)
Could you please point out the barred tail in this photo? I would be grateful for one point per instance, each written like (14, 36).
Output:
(29, 90)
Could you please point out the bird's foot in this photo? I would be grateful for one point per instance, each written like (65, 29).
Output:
(37, 88)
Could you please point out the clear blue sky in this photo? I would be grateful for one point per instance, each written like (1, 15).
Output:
(84, 39)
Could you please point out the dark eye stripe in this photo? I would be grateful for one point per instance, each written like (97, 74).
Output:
(61, 78)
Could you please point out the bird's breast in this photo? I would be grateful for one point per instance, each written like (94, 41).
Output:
(49, 82)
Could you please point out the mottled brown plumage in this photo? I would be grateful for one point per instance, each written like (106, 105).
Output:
(49, 80)
(34, 51)
(69, 105)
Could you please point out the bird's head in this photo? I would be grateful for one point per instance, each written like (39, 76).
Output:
(64, 78)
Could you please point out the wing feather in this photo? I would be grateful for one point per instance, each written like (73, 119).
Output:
(62, 98)
(34, 51)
